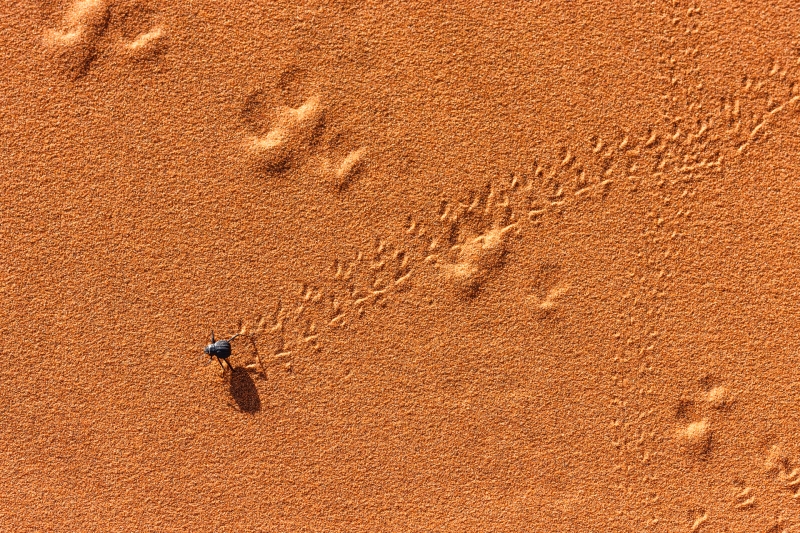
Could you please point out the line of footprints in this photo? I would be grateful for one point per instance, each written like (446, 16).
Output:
(778, 464)
(468, 239)
(696, 438)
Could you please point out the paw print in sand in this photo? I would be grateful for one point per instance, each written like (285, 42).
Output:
(696, 436)
(477, 234)
(88, 27)
(290, 127)
(74, 43)
(292, 131)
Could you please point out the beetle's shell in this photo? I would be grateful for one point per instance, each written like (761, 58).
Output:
(221, 349)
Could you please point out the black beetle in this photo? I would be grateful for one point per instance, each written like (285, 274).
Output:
(220, 349)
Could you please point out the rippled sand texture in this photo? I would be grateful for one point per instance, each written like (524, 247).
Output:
(510, 266)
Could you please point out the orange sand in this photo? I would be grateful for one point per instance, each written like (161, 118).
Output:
(510, 266)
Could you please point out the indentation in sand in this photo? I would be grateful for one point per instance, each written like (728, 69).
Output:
(293, 130)
(74, 45)
(147, 44)
(696, 437)
(477, 260)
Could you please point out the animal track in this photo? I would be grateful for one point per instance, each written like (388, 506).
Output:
(787, 474)
(469, 239)
(368, 280)
(747, 114)
(292, 132)
(75, 43)
(290, 330)
(346, 169)
(299, 323)
(86, 26)
(669, 162)
(291, 137)
(744, 498)
(695, 434)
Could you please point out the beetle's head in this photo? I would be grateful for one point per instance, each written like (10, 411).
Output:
(207, 349)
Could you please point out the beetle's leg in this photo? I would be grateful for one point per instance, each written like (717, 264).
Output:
(229, 340)
(220, 364)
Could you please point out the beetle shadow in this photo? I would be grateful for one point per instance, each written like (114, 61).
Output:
(244, 392)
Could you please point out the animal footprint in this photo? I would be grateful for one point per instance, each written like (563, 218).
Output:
(548, 288)
(695, 436)
(719, 398)
(88, 22)
(147, 44)
(477, 235)
(342, 160)
(477, 259)
(138, 30)
(744, 499)
(778, 463)
(347, 168)
(292, 132)
(75, 43)
(699, 521)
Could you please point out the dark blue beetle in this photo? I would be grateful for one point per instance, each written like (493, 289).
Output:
(220, 349)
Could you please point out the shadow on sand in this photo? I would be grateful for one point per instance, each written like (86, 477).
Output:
(244, 392)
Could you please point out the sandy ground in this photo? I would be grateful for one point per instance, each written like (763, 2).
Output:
(521, 266)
